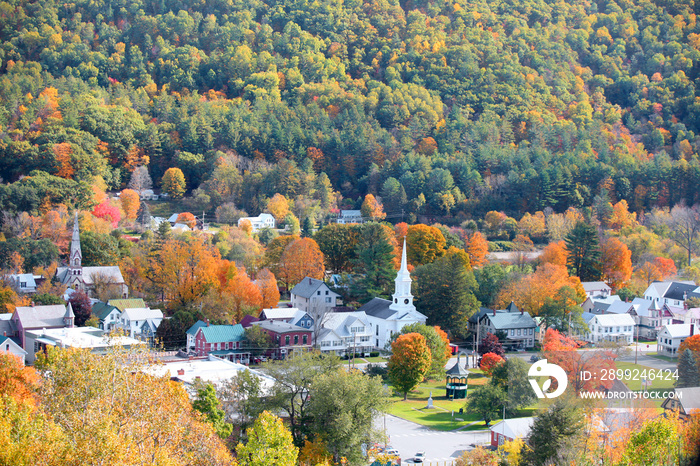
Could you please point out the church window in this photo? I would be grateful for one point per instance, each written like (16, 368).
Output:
(405, 301)
(396, 300)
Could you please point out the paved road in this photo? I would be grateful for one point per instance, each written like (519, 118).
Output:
(441, 448)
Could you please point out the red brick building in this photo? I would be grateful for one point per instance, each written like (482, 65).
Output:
(288, 338)
(223, 341)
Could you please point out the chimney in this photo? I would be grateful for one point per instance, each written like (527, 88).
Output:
(310, 282)
(494, 312)
(522, 312)
(181, 372)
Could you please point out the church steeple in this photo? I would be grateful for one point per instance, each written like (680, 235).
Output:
(402, 297)
(76, 256)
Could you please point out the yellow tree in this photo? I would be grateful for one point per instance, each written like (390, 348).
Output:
(616, 262)
(173, 182)
(371, 208)
(301, 258)
(425, 244)
(130, 203)
(621, 216)
(269, 444)
(278, 206)
(111, 412)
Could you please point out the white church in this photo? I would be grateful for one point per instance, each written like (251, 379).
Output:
(389, 317)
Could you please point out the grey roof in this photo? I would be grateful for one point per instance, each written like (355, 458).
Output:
(680, 291)
(457, 370)
(4, 339)
(41, 316)
(280, 327)
(642, 306)
(307, 287)
(507, 320)
(379, 308)
(689, 398)
(109, 272)
(587, 316)
(341, 321)
(619, 307)
(512, 307)
(142, 313)
(480, 313)
(593, 286)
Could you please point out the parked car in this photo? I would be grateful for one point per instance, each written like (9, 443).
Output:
(419, 457)
(534, 358)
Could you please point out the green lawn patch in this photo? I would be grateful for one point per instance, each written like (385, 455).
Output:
(165, 208)
(633, 378)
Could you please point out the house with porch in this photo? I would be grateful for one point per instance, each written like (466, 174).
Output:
(611, 327)
(91, 338)
(222, 341)
(140, 322)
(345, 332)
(259, 222)
(518, 326)
(107, 314)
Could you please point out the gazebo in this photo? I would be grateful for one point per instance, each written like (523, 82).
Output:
(456, 381)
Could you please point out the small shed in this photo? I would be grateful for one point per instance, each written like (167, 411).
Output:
(456, 381)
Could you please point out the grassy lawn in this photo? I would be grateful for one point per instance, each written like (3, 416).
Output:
(374, 359)
(441, 418)
(664, 383)
(663, 358)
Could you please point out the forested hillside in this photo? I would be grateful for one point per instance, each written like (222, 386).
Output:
(444, 109)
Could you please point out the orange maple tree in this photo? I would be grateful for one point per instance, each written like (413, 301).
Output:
(648, 273)
(616, 262)
(301, 258)
(554, 253)
(666, 267)
(489, 361)
(240, 294)
(267, 283)
(187, 218)
(409, 362)
(691, 343)
(561, 350)
(478, 248)
(17, 380)
(371, 208)
(63, 152)
(530, 292)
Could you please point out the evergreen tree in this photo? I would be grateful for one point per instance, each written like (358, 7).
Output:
(553, 433)
(375, 262)
(307, 228)
(443, 292)
(143, 216)
(688, 373)
(583, 251)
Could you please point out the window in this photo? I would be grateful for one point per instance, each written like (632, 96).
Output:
(377, 332)
(326, 292)
(328, 300)
(286, 340)
(512, 332)
(318, 293)
(323, 343)
(305, 339)
(532, 331)
(519, 332)
(296, 339)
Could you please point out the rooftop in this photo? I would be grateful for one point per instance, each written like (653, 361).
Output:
(80, 337)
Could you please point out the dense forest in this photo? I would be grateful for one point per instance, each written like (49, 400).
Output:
(445, 110)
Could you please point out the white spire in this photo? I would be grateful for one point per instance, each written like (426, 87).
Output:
(402, 297)
(75, 259)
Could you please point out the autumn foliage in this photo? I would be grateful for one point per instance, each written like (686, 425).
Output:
(409, 362)
(561, 350)
(109, 212)
(300, 258)
(616, 262)
(477, 248)
(489, 361)
(130, 203)
(529, 293)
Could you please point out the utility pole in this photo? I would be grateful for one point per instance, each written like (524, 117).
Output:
(636, 347)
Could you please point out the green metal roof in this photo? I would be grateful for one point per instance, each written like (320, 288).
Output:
(132, 303)
(223, 333)
(102, 310)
